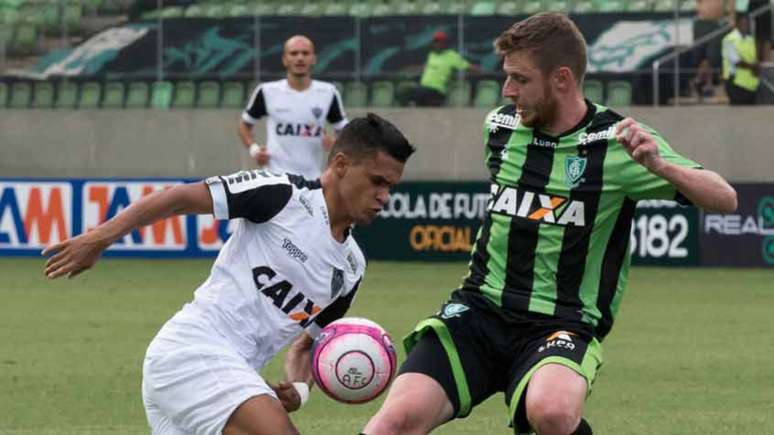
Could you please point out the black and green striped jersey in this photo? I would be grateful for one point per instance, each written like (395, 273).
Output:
(555, 240)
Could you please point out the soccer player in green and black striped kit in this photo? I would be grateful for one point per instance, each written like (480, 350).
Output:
(549, 266)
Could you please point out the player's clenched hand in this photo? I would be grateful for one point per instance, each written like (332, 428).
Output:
(288, 395)
(262, 156)
(72, 256)
(639, 144)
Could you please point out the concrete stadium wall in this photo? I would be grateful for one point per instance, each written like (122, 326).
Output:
(736, 142)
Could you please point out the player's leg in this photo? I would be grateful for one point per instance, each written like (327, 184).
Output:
(416, 402)
(550, 383)
(260, 415)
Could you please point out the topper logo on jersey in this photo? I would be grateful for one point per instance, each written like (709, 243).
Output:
(298, 307)
(294, 251)
(33, 215)
(560, 340)
(538, 207)
(303, 130)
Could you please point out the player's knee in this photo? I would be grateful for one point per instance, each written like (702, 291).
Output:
(551, 415)
(392, 421)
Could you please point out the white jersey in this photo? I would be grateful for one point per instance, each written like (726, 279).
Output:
(280, 272)
(296, 122)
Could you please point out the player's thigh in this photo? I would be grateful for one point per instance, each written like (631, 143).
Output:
(557, 368)
(260, 415)
(416, 403)
(198, 387)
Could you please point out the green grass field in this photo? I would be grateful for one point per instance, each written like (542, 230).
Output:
(691, 353)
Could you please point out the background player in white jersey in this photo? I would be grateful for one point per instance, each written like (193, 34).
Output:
(297, 108)
(290, 267)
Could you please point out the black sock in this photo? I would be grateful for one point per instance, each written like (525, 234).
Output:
(583, 428)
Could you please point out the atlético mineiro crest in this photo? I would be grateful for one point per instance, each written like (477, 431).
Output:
(317, 112)
(574, 167)
(337, 282)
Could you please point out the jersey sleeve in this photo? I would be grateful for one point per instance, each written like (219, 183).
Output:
(640, 183)
(254, 195)
(336, 115)
(460, 62)
(256, 107)
(334, 311)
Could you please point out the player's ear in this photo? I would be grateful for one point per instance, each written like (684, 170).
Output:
(340, 163)
(563, 78)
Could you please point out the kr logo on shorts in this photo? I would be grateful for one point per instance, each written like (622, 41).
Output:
(559, 339)
(453, 310)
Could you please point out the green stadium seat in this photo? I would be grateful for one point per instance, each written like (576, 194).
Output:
(289, 7)
(137, 95)
(402, 89)
(382, 94)
(483, 8)
(3, 94)
(31, 14)
(508, 8)
(619, 93)
(91, 95)
(214, 10)
(687, 5)
(113, 97)
(238, 10)
(594, 90)
(664, 5)
(25, 39)
(233, 95)
(455, 7)
(531, 6)
(459, 94)
(185, 95)
(50, 19)
(608, 5)
(360, 9)
(209, 95)
(194, 11)
(312, 9)
(582, 6)
(72, 15)
(43, 97)
(640, 6)
(262, 9)
(355, 94)
(66, 95)
(9, 17)
(172, 12)
(161, 94)
(336, 8)
(487, 94)
(434, 7)
(21, 95)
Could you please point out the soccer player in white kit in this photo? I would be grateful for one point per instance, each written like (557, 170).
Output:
(296, 108)
(290, 267)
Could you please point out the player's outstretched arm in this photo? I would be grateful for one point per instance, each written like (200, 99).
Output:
(72, 256)
(704, 188)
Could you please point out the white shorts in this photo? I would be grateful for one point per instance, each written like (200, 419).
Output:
(193, 386)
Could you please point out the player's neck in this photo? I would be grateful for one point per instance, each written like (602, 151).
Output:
(299, 83)
(571, 111)
(338, 222)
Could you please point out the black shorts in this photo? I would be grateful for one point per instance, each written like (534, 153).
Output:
(474, 353)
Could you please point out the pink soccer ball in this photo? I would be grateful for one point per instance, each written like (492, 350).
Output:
(353, 360)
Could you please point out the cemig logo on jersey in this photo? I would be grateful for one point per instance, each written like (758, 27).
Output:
(538, 207)
(559, 339)
(586, 138)
(504, 120)
(298, 307)
(303, 130)
(34, 214)
(103, 200)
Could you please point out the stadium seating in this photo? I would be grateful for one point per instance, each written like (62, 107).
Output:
(619, 93)
(208, 95)
(161, 94)
(66, 95)
(382, 94)
(184, 96)
(21, 94)
(487, 94)
(113, 97)
(355, 94)
(91, 95)
(43, 96)
(3, 94)
(594, 90)
(459, 94)
(137, 95)
(233, 95)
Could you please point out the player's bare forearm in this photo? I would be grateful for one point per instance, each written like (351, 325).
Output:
(298, 365)
(245, 133)
(704, 188)
(75, 255)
